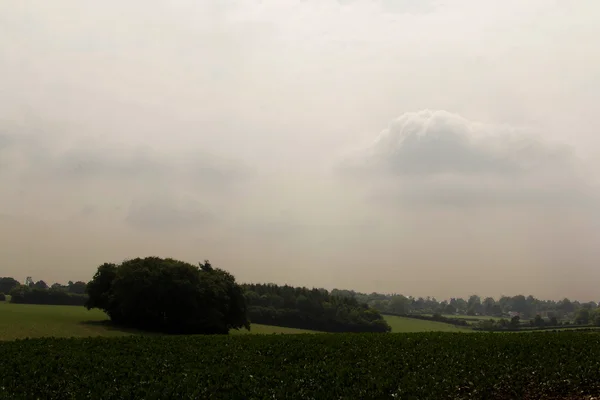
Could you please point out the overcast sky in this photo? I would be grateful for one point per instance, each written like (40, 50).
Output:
(422, 147)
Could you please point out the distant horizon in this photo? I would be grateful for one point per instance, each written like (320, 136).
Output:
(439, 299)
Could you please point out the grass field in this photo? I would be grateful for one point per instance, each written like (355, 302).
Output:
(25, 320)
(403, 324)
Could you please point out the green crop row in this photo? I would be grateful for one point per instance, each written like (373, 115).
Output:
(338, 366)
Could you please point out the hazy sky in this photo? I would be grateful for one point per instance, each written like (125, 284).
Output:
(415, 146)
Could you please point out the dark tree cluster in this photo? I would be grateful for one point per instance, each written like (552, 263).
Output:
(168, 295)
(34, 295)
(7, 284)
(314, 309)
(39, 292)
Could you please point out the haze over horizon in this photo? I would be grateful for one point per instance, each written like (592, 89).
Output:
(420, 147)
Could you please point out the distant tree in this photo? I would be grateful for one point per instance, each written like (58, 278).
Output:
(515, 321)
(538, 321)
(40, 285)
(497, 310)
(519, 304)
(29, 281)
(57, 286)
(583, 316)
(398, 304)
(31, 295)
(76, 287)
(566, 306)
(596, 317)
(488, 306)
(7, 284)
(487, 325)
(450, 309)
(169, 296)
(474, 300)
(2, 297)
(553, 321)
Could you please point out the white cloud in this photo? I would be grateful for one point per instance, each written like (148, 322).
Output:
(440, 158)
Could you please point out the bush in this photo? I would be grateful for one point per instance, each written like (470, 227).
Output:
(169, 296)
(2, 297)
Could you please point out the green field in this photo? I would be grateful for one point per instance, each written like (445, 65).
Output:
(27, 320)
(404, 324)
(341, 366)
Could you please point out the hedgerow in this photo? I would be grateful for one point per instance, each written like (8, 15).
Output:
(318, 366)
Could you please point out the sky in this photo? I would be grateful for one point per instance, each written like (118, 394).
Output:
(429, 148)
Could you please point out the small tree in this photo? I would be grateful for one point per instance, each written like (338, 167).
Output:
(596, 317)
(515, 321)
(2, 297)
(538, 321)
(7, 284)
(582, 317)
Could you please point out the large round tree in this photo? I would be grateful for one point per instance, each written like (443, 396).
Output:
(169, 296)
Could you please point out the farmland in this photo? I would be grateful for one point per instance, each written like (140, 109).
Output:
(404, 324)
(26, 320)
(417, 365)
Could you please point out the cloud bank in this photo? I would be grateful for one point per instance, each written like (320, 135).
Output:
(438, 158)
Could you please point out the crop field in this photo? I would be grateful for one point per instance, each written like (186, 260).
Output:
(27, 320)
(341, 366)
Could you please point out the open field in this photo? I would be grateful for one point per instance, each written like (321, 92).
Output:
(349, 366)
(27, 320)
(404, 324)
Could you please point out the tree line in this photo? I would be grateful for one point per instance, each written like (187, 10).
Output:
(526, 307)
(314, 309)
(38, 292)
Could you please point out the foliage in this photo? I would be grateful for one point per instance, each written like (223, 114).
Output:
(525, 306)
(71, 287)
(363, 366)
(168, 295)
(312, 309)
(2, 297)
(33, 295)
(596, 318)
(7, 284)
(583, 316)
